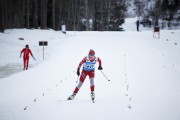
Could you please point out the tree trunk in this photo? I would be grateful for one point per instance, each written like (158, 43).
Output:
(43, 14)
(59, 16)
(87, 16)
(35, 24)
(109, 10)
(4, 12)
(28, 14)
(53, 14)
(1, 15)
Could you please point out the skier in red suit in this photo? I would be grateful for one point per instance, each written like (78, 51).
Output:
(26, 51)
(88, 63)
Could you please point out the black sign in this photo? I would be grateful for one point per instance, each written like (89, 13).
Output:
(43, 43)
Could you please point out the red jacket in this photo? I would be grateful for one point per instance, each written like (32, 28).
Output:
(89, 64)
(26, 53)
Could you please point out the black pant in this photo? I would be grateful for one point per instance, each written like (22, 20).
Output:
(137, 28)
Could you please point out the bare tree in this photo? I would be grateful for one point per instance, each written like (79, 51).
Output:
(43, 14)
(53, 14)
(87, 15)
(28, 13)
(36, 16)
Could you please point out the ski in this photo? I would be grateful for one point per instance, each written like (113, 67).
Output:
(69, 98)
(93, 101)
(72, 96)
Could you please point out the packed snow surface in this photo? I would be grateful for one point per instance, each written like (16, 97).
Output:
(144, 75)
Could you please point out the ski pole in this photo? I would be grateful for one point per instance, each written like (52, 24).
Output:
(104, 75)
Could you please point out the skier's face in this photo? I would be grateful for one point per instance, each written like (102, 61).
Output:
(91, 56)
(27, 47)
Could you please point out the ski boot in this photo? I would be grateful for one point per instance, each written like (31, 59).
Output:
(72, 96)
(92, 96)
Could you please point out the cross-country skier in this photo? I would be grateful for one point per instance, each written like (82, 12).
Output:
(88, 69)
(26, 51)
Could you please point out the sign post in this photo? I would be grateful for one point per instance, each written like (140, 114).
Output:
(43, 43)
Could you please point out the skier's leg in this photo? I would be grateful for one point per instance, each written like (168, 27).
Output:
(81, 81)
(92, 84)
(92, 88)
(91, 77)
(24, 61)
(27, 64)
(82, 78)
(78, 87)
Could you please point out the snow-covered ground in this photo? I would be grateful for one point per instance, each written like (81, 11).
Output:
(144, 73)
(11, 47)
(130, 25)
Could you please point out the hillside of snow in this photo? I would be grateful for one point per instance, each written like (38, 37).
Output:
(144, 73)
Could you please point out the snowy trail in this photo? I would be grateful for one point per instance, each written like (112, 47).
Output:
(56, 97)
(143, 84)
(9, 69)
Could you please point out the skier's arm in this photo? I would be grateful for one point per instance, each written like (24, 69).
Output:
(100, 64)
(33, 57)
(78, 69)
(83, 61)
(99, 60)
(21, 52)
(32, 54)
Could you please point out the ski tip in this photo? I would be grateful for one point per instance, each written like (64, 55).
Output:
(25, 108)
(69, 98)
(93, 100)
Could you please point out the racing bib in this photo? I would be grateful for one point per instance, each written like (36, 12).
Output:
(89, 66)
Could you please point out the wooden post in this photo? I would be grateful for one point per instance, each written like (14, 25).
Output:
(43, 43)
(43, 50)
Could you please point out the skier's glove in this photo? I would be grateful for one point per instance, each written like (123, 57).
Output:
(100, 68)
(78, 73)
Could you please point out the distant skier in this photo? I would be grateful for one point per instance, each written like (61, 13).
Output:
(137, 25)
(88, 69)
(26, 51)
